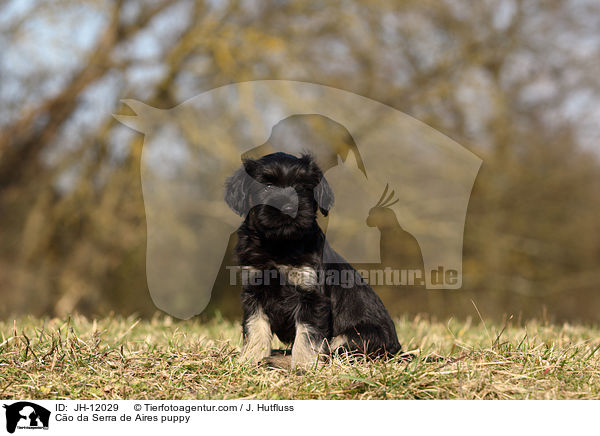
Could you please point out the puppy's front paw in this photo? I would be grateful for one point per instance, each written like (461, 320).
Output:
(257, 341)
(255, 354)
(303, 363)
(305, 354)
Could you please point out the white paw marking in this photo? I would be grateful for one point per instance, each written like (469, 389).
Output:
(337, 342)
(258, 337)
(305, 353)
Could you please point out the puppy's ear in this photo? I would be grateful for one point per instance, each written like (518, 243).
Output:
(323, 192)
(237, 189)
(324, 196)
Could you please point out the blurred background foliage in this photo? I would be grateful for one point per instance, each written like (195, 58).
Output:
(514, 81)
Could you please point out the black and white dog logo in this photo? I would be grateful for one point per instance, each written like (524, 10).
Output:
(26, 415)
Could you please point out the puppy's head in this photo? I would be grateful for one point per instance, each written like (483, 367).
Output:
(280, 194)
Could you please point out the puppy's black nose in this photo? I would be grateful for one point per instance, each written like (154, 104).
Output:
(289, 209)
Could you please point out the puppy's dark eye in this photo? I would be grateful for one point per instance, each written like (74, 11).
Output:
(268, 187)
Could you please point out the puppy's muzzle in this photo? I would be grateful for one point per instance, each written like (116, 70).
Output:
(284, 199)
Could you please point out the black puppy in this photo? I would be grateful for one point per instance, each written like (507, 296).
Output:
(292, 279)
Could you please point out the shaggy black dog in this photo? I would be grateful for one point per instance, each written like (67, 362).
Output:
(294, 284)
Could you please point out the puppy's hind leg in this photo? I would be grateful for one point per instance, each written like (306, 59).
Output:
(257, 336)
(369, 340)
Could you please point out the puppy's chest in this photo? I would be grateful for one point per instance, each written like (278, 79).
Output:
(295, 288)
(285, 277)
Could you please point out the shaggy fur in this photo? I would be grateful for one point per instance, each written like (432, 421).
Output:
(279, 196)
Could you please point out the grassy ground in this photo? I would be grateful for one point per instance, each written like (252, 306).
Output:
(116, 358)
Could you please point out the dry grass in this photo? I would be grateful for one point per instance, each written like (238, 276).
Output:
(117, 358)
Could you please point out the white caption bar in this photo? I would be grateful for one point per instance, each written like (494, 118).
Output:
(246, 417)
